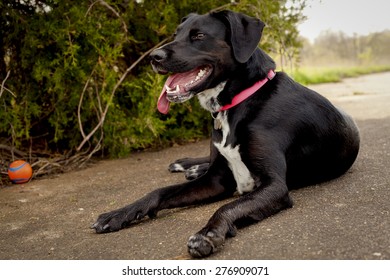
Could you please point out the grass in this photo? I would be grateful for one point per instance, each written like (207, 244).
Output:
(318, 75)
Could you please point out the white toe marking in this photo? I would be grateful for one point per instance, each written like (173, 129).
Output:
(177, 167)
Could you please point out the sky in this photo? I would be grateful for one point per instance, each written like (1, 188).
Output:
(349, 16)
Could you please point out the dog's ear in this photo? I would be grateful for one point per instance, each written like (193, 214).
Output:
(245, 33)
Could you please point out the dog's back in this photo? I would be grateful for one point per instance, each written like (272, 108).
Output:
(321, 142)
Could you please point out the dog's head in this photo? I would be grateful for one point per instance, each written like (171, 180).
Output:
(206, 48)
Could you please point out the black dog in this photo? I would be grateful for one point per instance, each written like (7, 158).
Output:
(270, 133)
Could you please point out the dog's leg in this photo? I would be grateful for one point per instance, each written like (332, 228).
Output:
(192, 167)
(267, 199)
(196, 171)
(183, 164)
(255, 206)
(216, 184)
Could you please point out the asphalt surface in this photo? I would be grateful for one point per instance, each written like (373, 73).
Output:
(347, 218)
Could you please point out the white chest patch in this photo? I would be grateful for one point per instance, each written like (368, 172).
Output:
(208, 98)
(244, 180)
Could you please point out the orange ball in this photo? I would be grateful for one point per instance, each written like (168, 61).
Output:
(19, 172)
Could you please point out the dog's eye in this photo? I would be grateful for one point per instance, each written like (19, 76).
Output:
(197, 36)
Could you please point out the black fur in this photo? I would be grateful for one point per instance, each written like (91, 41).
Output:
(288, 135)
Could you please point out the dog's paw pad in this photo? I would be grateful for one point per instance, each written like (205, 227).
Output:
(200, 246)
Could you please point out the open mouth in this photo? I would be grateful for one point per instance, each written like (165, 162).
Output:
(179, 87)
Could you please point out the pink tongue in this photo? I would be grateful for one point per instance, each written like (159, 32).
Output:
(163, 103)
(173, 80)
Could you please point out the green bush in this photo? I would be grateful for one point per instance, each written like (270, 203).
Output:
(66, 72)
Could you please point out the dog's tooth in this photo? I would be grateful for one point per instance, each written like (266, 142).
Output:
(168, 89)
(200, 75)
(189, 83)
(172, 90)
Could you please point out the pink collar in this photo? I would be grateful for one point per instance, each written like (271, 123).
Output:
(248, 92)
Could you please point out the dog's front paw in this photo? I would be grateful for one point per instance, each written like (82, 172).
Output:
(196, 171)
(181, 165)
(119, 219)
(123, 217)
(200, 246)
(111, 221)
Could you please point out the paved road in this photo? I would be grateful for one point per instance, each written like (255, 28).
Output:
(348, 218)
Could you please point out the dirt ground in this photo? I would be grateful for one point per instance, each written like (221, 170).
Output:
(347, 218)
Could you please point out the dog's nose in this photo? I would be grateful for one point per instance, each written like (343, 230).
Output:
(158, 55)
